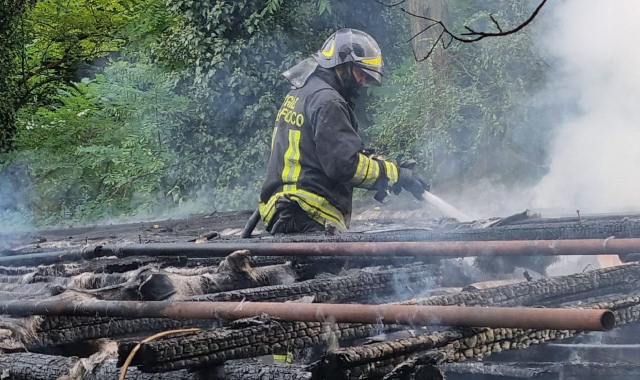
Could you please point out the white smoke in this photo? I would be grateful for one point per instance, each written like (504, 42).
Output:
(595, 158)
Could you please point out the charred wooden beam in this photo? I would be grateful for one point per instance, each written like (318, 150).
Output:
(244, 371)
(245, 339)
(152, 284)
(234, 272)
(364, 286)
(11, 292)
(419, 249)
(549, 290)
(60, 330)
(227, 371)
(106, 265)
(30, 366)
(13, 296)
(27, 366)
(512, 370)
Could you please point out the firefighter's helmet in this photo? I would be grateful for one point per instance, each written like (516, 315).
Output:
(352, 45)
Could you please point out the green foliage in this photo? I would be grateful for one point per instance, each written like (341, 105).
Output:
(10, 14)
(150, 23)
(63, 38)
(103, 150)
(272, 7)
(324, 6)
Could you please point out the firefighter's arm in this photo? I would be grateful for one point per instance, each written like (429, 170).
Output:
(338, 146)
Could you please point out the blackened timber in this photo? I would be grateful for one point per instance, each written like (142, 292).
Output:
(60, 330)
(365, 286)
(32, 366)
(517, 370)
(28, 366)
(248, 370)
(547, 290)
(419, 249)
(258, 338)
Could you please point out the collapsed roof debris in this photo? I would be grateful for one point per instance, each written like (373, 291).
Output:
(96, 347)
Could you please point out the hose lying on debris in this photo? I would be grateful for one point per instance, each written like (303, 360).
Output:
(251, 224)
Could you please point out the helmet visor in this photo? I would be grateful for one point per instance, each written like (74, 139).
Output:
(373, 77)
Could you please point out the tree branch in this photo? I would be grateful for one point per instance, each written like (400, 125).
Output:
(392, 4)
(468, 37)
(29, 90)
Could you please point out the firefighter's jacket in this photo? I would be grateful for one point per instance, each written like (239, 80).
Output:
(315, 154)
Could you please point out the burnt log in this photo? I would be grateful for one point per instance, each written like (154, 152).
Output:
(105, 265)
(234, 272)
(27, 366)
(15, 296)
(255, 371)
(363, 286)
(151, 283)
(11, 292)
(511, 370)
(117, 265)
(244, 339)
(60, 330)
(548, 290)
(31, 366)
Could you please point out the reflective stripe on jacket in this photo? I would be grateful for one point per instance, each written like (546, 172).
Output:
(315, 154)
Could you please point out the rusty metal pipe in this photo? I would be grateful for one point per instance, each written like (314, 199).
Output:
(417, 249)
(496, 317)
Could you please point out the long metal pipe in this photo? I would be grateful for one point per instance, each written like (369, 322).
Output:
(49, 258)
(417, 249)
(526, 318)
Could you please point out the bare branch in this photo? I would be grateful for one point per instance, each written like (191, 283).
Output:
(400, 2)
(470, 36)
(495, 22)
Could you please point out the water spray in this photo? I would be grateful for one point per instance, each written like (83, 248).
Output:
(445, 208)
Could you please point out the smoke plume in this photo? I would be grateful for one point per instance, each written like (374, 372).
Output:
(593, 162)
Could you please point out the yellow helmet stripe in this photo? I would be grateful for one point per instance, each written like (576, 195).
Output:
(329, 53)
(377, 61)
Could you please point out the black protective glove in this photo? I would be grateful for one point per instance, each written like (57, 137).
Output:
(412, 182)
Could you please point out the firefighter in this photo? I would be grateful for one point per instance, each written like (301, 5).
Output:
(317, 156)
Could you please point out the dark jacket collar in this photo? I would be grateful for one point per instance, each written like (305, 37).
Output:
(331, 78)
